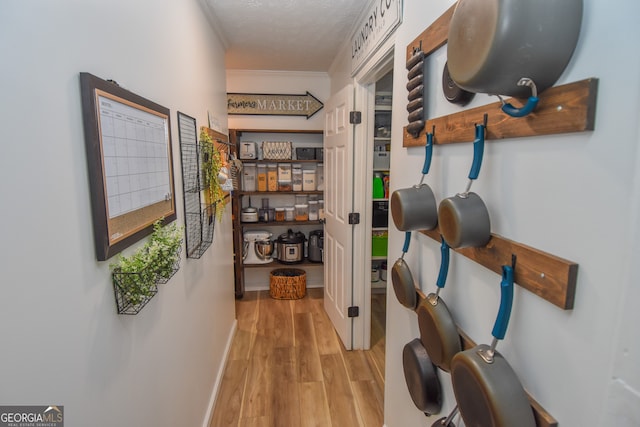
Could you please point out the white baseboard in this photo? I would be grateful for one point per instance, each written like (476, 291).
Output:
(216, 386)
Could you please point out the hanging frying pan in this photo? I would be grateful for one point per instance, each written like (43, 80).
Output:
(438, 331)
(512, 47)
(421, 377)
(488, 391)
(452, 92)
(415, 208)
(403, 284)
(464, 218)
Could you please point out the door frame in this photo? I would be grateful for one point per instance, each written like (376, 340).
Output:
(364, 84)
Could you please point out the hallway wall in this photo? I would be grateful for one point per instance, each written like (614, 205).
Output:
(576, 196)
(62, 341)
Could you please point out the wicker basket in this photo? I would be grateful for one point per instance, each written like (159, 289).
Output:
(287, 283)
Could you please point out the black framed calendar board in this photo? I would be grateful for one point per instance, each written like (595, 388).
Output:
(128, 145)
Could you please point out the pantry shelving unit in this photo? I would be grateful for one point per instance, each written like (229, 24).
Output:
(299, 138)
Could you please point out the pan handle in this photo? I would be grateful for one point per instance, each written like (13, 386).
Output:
(407, 240)
(444, 264)
(478, 151)
(531, 104)
(428, 152)
(506, 302)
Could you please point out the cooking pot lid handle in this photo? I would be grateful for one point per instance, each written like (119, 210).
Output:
(531, 104)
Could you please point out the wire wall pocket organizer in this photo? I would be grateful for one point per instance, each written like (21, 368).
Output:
(199, 217)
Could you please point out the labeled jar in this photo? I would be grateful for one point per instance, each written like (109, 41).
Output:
(279, 214)
(296, 177)
(309, 180)
(284, 185)
(289, 213)
(320, 177)
(262, 177)
(272, 177)
(313, 210)
(302, 212)
(284, 171)
(249, 177)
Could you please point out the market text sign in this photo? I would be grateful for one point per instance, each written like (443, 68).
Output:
(378, 23)
(273, 105)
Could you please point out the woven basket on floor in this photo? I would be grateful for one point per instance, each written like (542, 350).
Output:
(287, 283)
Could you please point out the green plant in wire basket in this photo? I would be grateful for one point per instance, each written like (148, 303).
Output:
(211, 166)
(136, 276)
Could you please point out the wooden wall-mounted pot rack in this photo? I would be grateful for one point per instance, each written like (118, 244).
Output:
(562, 109)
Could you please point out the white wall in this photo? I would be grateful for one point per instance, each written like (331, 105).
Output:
(62, 341)
(576, 196)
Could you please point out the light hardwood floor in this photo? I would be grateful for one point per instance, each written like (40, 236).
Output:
(288, 368)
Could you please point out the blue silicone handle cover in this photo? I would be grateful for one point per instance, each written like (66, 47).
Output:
(478, 151)
(407, 240)
(444, 264)
(512, 111)
(506, 301)
(428, 153)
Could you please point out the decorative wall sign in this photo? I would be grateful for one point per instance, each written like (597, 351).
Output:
(273, 104)
(128, 142)
(380, 20)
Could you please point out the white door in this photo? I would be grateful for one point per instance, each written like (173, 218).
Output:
(338, 203)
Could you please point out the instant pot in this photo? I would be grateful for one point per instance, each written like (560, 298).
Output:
(290, 247)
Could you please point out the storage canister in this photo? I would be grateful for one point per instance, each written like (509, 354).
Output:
(320, 177)
(321, 209)
(309, 180)
(289, 213)
(284, 185)
(296, 177)
(272, 177)
(302, 212)
(262, 177)
(249, 177)
(313, 210)
(279, 214)
(284, 172)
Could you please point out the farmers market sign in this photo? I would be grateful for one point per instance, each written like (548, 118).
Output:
(273, 105)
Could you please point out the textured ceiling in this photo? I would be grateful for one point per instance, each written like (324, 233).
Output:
(295, 35)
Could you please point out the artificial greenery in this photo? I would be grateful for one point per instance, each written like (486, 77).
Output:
(211, 166)
(137, 275)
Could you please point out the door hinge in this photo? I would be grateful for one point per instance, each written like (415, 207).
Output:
(353, 311)
(354, 218)
(355, 117)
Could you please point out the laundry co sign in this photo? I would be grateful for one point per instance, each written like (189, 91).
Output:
(273, 105)
(379, 21)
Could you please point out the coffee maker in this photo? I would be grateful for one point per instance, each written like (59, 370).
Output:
(316, 244)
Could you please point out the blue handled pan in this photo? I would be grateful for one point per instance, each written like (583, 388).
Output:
(464, 218)
(415, 208)
(488, 391)
(402, 279)
(438, 331)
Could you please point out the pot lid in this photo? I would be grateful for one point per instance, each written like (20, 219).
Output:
(291, 237)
